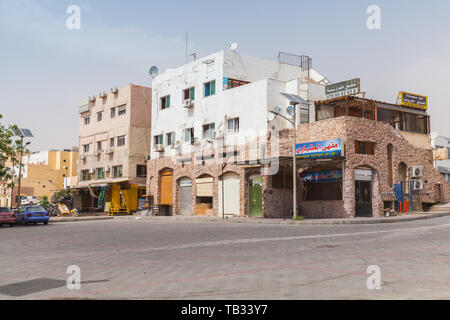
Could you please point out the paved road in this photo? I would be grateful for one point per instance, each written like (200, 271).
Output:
(142, 259)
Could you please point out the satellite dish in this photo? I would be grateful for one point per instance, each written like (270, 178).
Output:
(290, 110)
(233, 46)
(153, 71)
(277, 109)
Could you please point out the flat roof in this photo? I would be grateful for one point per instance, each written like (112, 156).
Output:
(381, 104)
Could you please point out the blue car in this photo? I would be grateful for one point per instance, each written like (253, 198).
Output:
(32, 214)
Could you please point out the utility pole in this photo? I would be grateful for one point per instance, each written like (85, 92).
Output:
(19, 198)
(294, 165)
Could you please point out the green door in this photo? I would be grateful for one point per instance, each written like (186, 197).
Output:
(255, 205)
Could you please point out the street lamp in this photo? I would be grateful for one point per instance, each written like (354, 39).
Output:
(291, 110)
(22, 133)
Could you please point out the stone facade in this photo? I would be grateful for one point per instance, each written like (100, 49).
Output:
(277, 203)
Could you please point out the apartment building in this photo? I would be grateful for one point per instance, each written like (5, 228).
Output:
(43, 174)
(114, 143)
(210, 130)
(441, 152)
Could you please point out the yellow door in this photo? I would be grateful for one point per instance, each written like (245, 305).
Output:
(166, 185)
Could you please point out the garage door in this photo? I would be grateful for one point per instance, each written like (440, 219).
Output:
(231, 194)
(166, 187)
(186, 197)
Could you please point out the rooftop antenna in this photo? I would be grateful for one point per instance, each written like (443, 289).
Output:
(233, 46)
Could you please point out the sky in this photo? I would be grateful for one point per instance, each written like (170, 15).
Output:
(46, 69)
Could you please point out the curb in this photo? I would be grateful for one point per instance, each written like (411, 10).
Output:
(420, 216)
(79, 219)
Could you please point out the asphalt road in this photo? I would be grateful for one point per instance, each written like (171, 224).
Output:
(142, 259)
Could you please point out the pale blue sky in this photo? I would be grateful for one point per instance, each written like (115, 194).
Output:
(46, 68)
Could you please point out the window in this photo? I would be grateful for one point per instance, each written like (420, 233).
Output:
(121, 110)
(113, 112)
(233, 83)
(141, 170)
(189, 135)
(364, 147)
(233, 125)
(111, 142)
(322, 191)
(210, 88)
(158, 139)
(99, 146)
(165, 102)
(117, 171)
(99, 116)
(86, 148)
(100, 173)
(85, 175)
(170, 138)
(120, 141)
(208, 130)
(87, 120)
(189, 94)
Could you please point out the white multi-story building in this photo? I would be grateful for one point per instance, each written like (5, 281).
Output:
(221, 101)
(441, 146)
(225, 93)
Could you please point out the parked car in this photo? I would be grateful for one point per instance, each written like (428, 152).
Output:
(32, 214)
(7, 217)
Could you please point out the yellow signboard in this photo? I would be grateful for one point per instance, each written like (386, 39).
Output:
(413, 100)
(107, 207)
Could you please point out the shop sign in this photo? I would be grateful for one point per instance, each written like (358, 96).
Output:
(322, 176)
(185, 183)
(257, 181)
(343, 88)
(319, 149)
(363, 175)
(413, 100)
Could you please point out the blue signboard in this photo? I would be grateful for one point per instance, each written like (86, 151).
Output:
(322, 176)
(319, 149)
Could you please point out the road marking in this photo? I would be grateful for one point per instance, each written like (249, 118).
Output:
(256, 240)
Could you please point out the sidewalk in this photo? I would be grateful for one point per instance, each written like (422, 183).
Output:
(74, 219)
(402, 218)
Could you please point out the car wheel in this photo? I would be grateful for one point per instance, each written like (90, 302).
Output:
(11, 225)
(35, 223)
(45, 223)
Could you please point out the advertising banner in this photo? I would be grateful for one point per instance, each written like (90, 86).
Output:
(319, 149)
(322, 176)
(413, 100)
(343, 88)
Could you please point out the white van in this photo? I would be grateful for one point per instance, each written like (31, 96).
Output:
(29, 200)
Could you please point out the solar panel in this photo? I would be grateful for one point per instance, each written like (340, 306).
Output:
(22, 132)
(27, 133)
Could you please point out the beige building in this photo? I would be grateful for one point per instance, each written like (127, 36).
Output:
(43, 174)
(114, 141)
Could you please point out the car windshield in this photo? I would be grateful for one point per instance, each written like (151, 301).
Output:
(36, 208)
(2, 209)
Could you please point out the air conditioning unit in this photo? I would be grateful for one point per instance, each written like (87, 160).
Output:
(82, 156)
(102, 94)
(96, 153)
(109, 151)
(159, 148)
(114, 90)
(415, 172)
(417, 185)
(147, 158)
(91, 99)
(107, 169)
(91, 171)
(188, 103)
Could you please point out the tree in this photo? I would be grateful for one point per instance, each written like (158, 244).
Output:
(10, 148)
(7, 150)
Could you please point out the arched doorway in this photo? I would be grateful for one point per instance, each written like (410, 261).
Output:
(185, 196)
(363, 192)
(229, 194)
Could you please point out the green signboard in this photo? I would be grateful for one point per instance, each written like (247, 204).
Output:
(343, 88)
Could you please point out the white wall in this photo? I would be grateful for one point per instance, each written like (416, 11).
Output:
(250, 102)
